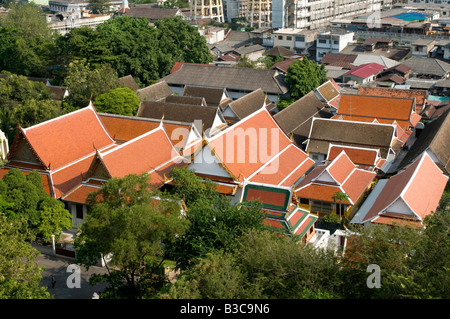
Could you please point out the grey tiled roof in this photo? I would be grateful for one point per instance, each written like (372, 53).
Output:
(230, 78)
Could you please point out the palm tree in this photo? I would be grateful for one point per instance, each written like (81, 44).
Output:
(340, 198)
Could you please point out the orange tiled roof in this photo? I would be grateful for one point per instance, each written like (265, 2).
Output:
(360, 156)
(285, 169)
(145, 153)
(386, 110)
(420, 186)
(68, 138)
(249, 144)
(341, 168)
(67, 178)
(124, 129)
(419, 95)
(80, 194)
(345, 178)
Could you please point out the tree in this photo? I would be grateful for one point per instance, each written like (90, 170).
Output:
(25, 102)
(340, 198)
(27, 43)
(37, 214)
(99, 6)
(215, 223)
(262, 265)
(86, 84)
(181, 41)
(127, 224)
(245, 62)
(303, 76)
(122, 101)
(19, 274)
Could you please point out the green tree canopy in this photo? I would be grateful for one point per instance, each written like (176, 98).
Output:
(27, 44)
(38, 214)
(132, 46)
(86, 83)
(25, 102)
(261, 266)
(128, 224)
(19, 274)
(215, 223)
(303, 76)
(123, 101)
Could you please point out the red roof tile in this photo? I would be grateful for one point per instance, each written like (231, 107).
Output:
(359, 156)
(67, 138)
(249, 144)
(345, 178)
(145, 153)
(365, 70)
(385, 110)
(419, 186)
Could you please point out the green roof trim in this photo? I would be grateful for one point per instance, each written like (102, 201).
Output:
(285, 191)
(304, 216)
(308, 226)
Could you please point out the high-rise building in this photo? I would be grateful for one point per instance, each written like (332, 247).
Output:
(207, 9)
(314, 14)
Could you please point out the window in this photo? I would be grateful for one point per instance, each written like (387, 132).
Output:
(280, 37)
(322, 41)
(289, 38)
(79, 209)
(304, 201)
(300, 38)
(335, 41)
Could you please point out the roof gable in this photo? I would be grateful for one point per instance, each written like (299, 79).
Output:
(202, 117)
(155, 92)
(68, 138)
(371, 135)
(420, 187)
(145, 153)
(250, 143)
(249, 103)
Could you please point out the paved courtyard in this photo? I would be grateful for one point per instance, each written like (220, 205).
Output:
(57, 266)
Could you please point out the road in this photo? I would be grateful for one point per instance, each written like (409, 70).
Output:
(57, 267)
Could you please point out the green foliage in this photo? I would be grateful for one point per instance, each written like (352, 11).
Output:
(303, 76)
(284, 102)
(215, 223)
(126, 223)
(25, 102)
(38, 214)
(27, 44)
(263, 265)
(181, 41)
(245, 62)
(19, 273)
(171, 4)
(190, 188)
(133, 47)
(122, 101)
(269, 61)
(86, 83)
(99, 6)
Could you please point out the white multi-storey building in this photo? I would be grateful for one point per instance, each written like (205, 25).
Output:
(314, 14)
(332, 42)
(207, 9)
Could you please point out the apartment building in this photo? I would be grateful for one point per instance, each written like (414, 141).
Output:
(296, 40)
(315, 14)
(207, 9)
(333, 42)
